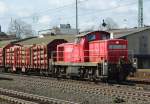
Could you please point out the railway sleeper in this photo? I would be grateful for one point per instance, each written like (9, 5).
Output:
(32, 97)
(16, 100)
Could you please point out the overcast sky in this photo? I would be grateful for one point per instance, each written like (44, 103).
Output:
(43, 14)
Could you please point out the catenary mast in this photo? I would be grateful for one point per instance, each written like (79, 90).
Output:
(140, 13)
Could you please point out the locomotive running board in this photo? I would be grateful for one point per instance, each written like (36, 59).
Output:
(75, 64)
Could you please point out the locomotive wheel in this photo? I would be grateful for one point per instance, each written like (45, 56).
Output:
(104, 79)
(121, 77)
(5, 70)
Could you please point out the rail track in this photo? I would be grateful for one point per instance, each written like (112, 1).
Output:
(15, 100)
(110, 91)
(25, 98)
(130, 82)
(95, 89)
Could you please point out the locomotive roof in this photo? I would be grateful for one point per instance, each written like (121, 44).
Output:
(46, 39)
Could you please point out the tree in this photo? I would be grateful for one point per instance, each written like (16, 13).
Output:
(20, 28)
(56, 30)
(108, 24)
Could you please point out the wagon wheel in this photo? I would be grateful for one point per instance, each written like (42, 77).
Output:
(23, 69)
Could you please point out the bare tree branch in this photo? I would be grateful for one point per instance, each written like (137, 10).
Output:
(20, 29)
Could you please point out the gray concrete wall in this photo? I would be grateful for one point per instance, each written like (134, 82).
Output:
(140, 44)
(136, 42)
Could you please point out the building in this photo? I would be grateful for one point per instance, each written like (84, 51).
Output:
(138, 43)
(4, 36)
(63, 29)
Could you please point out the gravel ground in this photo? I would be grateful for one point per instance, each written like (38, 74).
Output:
(4, 102)
(47, 88)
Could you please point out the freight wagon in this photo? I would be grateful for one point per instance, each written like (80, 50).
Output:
(32, 55)
(1, 58)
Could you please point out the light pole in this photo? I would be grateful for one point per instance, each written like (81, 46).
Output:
(77, 16)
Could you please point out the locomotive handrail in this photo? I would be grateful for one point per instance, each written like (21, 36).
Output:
(56, 57)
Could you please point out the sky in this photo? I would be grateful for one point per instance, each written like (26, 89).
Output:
(44, 14)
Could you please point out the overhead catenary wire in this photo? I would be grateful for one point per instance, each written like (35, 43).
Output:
(61, 9)
(102, 10)
(39, 12)
(95, 12)
(69, 18)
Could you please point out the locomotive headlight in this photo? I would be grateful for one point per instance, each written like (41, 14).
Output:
(117, 42)
(134, 63)
(123, 57)
(105, 63)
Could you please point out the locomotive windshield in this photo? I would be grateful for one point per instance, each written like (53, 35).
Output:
(91, 37)
(117, 47)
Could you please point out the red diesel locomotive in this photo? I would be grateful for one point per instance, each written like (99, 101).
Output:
(92, 56)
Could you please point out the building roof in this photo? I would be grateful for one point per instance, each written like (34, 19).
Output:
(46, 39)
(5, 43)
(3, 34)
(118, 33)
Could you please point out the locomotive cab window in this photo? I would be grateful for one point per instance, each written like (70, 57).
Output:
(91, 37)
(105, 36)
(117, 46)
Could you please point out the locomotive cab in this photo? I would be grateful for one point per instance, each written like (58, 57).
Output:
(112, 55)
(119, 64)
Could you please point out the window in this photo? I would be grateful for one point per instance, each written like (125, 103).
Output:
(91, 37)
(143, 44)
(105, 36)
(117, 47)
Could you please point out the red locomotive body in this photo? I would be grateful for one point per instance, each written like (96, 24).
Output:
(79, 51)
(111, 50)
(94, 55)
(64, 50)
